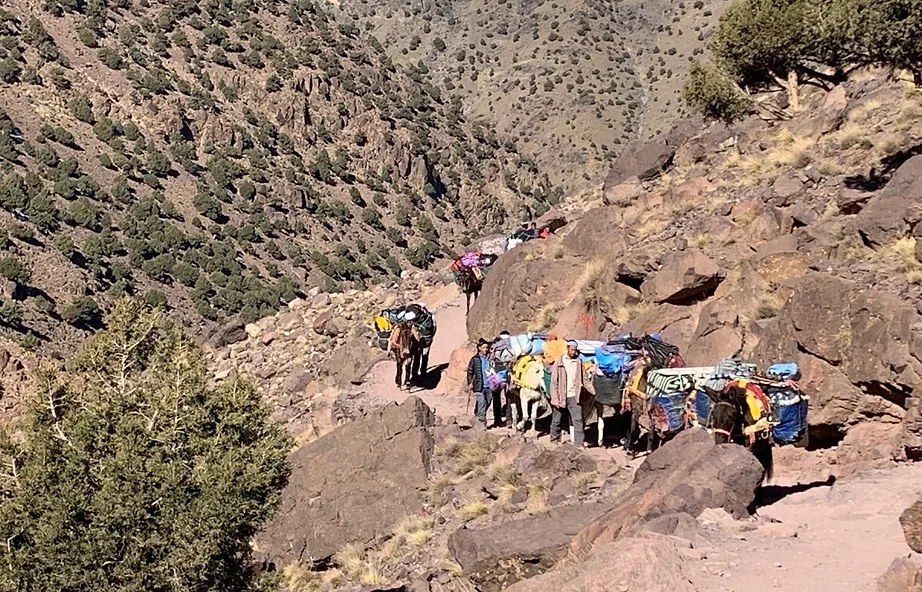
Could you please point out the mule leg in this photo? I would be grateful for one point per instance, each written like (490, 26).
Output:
(398, 378)
(534, 414)
(601, 429)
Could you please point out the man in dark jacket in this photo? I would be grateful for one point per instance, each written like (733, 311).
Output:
(477, 371)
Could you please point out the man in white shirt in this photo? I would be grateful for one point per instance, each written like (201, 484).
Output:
(566, 387)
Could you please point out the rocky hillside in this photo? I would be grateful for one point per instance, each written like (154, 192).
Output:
(796, 239)
(575, 82)
(222, 158)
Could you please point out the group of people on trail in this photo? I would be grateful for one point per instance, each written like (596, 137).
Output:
(641, 384)
(566, 386)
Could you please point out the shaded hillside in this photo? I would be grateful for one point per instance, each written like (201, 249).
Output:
(574, 81)
(798, 240)
(221, 158)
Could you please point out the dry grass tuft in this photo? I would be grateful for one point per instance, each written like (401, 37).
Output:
(449, 447)
(900, 256)
(628, 312)
(768, 306)
(509, 481)
(583, 481)
(547, 316)
(788, 150)
(361, 566)
(538, 494)
(700, 241)
(649, 228)
(472, 508)
(412, 531)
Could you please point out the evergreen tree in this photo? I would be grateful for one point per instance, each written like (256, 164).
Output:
(135, 474)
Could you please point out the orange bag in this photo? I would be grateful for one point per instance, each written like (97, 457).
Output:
(553, 349)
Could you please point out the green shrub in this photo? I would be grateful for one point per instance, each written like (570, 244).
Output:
(713, 94)
(140, 475)
(82, 311)
(15, 270)
(155, 299)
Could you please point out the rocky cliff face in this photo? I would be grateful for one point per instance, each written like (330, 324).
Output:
(798, 240)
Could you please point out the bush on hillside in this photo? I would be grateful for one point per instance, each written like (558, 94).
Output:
(139, 474)
(82, 311)
(713, 94)
(15, 270)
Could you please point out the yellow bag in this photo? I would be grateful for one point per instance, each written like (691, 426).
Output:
(382, 324)
(528, 371)
(478, 273)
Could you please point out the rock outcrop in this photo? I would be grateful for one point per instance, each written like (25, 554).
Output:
(647, 563)
(533, 544)
(687, 475)
(631, 544)
(352, 484)
(911, 521)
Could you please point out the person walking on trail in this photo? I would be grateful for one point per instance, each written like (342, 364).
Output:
(566, 385)
(478, 369)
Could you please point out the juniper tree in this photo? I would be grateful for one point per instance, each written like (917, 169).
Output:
(135, 473)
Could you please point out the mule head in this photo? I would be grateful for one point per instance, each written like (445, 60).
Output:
(726, 413)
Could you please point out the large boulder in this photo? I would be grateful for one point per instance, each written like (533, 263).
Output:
(352, 484)
(687, 475)
(911, 520)
(522, 289)
(533, 544)
(651, 563)
(646, 161)
(896, 209)
(903, 575)
(683, 277)
(863, 345)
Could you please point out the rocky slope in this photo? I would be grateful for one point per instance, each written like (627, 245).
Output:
(222, 158)
(793, 240)
(576, 82)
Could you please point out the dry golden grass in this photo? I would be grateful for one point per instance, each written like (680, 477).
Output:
(628, 312)
(538, 494)
(547, 316)
(359, 565)
(298, 579)
(830, 167)
(583, 481)
(699, 241)
(509, 481)
(768, 306)
(411, 532)
(649, 228)
(591, 281)
(787, 150)
(449, 447)
(471, 509)
(900, 256)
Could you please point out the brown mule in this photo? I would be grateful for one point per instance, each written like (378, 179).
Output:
(730, 417)
(406, 346)
(470, 286)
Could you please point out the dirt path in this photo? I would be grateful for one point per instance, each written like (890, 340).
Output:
(448, 305)
(824, 538)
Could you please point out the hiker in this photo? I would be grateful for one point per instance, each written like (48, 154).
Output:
(478, 369)
(502, 367)
(566, 386)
